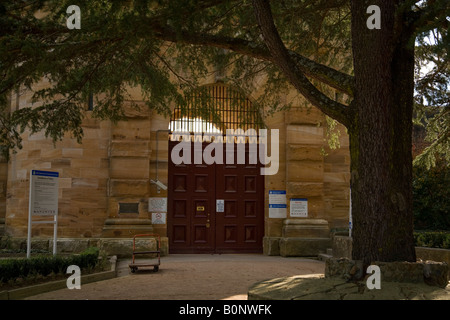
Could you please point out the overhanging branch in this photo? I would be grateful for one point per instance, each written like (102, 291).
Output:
(332, 77)
(285, 61)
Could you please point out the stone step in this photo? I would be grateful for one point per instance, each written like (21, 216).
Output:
(330, 251)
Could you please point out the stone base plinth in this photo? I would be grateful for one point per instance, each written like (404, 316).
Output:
(126, 228)
(428, 272)
(120, 247)
(123, 248)
(271, 246)
(303, 247)
(305, 228)
(318, 287)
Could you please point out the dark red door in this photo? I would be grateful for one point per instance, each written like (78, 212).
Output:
(194, 226)
(240, 228)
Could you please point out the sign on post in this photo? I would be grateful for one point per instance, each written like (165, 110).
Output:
(44, 193)
(43, 201)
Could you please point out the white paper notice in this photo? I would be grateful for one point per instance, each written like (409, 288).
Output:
(299, 207)
(277, 204)
(44, 193)
(220, 205)
(157, 204)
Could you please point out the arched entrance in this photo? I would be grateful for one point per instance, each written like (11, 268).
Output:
(215, 206)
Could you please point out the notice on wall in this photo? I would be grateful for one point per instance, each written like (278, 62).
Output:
(220, 205)
(277, 204)
(157, 204)
(158, 218)
(298, 207)
(43, 193)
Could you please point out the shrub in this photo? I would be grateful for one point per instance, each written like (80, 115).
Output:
(431, 191)
(432, 239)
(446, 243)
(11, 269)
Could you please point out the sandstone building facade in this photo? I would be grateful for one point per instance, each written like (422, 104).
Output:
(107, 182)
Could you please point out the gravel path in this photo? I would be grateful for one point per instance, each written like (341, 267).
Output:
(190, 277)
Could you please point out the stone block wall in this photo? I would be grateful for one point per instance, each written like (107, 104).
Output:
(159, 141)
(314, 171)
(115, 163)
(3, 185)
(311, 170)
(129, 154)
(336, 182)
(83, 178)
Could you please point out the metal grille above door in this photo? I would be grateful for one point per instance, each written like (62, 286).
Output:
(213, 109)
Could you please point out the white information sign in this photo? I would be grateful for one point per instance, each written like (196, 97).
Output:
(220, 205)
(157, 204)
(299, 207)
(44, 193)
(43, 201)
(277, 204)
(158, 218)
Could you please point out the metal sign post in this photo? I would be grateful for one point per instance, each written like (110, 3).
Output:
(43, 201)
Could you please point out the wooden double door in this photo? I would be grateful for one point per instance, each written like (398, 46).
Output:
(216, 208)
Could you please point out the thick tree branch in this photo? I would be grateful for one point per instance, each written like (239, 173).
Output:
(332, 77)
(283, 59)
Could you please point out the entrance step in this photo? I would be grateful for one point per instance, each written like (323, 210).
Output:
(324, 256)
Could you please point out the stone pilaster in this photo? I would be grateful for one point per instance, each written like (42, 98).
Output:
(129, 174)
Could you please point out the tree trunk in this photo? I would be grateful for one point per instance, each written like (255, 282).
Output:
(380, 136)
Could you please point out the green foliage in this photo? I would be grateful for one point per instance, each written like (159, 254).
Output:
(431, 194)
(432, 239)
(118, 47)
(436, 120)
(11, 269)
(432, 98)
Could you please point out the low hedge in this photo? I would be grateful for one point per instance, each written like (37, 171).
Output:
(432, 239)
(11, 269)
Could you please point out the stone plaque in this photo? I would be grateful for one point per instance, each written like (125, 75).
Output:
(129, 207)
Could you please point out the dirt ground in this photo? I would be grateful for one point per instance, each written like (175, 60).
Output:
(190, 277)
